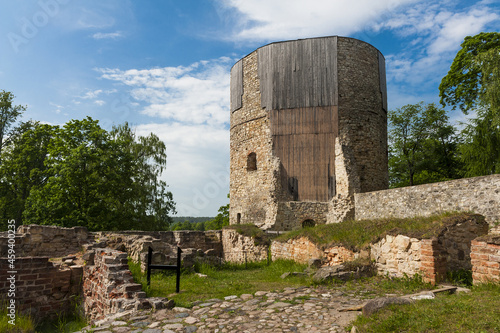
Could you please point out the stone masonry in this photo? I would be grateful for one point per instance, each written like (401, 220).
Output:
(44, 240)
(42, 288)
(480, 195)
(323, 108)
(485, 257)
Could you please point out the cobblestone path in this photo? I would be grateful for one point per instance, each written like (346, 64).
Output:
(293, 310)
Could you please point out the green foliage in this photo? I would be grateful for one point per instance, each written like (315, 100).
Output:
(23, 168)
(473, 84)
(23, 323)
(191, 219)
(359, 234)
(8, 116)
(422, 146)
(461, 277)
(480, 151)
(472, 72)
(446, 313)
(219, 221)
(82, 175)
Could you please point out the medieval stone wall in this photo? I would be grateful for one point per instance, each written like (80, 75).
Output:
(241, 249)
(44, 240)
(136, 243)
(302, 250)
(108, 285)
(292, 214)
(42, 288)
(479, 195)
(485, 257)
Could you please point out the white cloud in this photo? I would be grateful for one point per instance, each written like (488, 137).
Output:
(99, 102)
(434, 34)
(197, 165)
(107, 35)
(92, 94)
(290, 19)
(456, 26)
(194, 103)
(196, 94)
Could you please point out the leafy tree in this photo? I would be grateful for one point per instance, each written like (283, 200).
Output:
(473, 73)
(481, 149)
(8, 116)
(23, 168)
(473, 84)
(102, 180)
(422, 146)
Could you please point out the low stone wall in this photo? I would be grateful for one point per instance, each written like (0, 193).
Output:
(302, 250)
(402, 255)
(41, 287)
(46, 241)
(299, 250)
(479, 195)
(241, 249)
(136, 243)
(108, 285)
(398, 255)
(485, 257)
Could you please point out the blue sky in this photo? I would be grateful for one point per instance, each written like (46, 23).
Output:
(163, 66)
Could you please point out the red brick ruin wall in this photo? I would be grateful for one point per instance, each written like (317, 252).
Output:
(108, 285)
(42, 288)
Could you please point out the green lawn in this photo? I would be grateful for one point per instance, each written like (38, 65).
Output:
(220, 282)
(478, 311)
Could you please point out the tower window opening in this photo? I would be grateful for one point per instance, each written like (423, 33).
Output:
(252, 162)
(238, 218)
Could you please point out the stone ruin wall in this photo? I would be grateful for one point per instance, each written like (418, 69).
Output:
(302, 250)
(46, 288)
(485, 258)
(42, 288)
(240, 249)
(109, 288)
(480, 195)
(46, 241)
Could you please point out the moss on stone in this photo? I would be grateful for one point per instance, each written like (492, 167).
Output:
(357, 235)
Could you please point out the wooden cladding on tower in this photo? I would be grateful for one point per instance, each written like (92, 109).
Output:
(304, 141)
(300, 73)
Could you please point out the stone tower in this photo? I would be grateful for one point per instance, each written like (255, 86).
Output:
(308, 130)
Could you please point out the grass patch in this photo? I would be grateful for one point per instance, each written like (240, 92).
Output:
(476, 311)
(250, 230)
(23, 323)
(27, 324)
(230, 279)
(359, 234)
